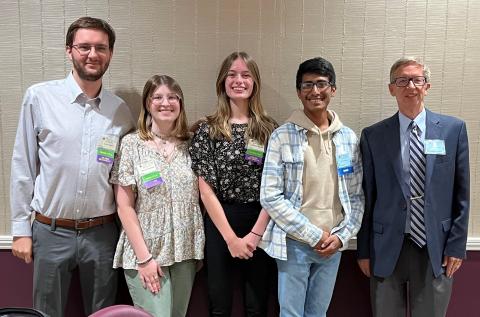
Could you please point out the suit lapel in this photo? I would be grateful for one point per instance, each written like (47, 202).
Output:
(433, 128)
(392, 144)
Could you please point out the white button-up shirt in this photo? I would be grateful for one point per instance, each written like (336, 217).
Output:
(54, 166)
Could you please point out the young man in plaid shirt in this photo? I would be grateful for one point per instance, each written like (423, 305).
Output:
(312, 190)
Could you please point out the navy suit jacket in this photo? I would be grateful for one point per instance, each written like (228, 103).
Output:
(447, 189)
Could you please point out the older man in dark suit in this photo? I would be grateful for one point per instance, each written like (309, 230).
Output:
(416, 184)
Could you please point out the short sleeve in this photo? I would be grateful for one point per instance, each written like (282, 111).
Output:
(123, 172)
(203, 156)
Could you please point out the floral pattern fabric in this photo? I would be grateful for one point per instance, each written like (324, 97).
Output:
(169, 214)
(223, 166)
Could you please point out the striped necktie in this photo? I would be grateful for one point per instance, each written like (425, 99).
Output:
(417, 184)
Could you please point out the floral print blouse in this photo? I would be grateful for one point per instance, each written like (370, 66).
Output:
(223, 165)
(169, 213)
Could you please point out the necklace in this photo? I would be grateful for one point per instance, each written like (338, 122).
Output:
(164, 148)
(163, 138)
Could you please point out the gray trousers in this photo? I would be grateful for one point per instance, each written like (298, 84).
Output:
(58, 251)
(412, 286)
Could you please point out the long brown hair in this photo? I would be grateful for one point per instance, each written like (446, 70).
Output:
(260, 125)
(180, 129)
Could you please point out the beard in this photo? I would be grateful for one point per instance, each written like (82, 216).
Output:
(89, 76)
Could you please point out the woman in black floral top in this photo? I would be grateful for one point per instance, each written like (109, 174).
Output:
(227, 155)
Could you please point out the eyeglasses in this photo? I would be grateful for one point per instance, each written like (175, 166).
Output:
(417, 81)
(171, 99)
(84, 49)
(308, 85)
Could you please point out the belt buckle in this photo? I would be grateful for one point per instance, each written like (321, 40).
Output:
(77, 222)
(80, 224)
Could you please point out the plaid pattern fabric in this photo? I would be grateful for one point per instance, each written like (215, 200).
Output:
(281, 191)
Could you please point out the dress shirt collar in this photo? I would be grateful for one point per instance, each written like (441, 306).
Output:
(77, 94)
(419, 121)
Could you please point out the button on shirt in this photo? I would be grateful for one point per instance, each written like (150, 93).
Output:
(54, 165)
(405, 151)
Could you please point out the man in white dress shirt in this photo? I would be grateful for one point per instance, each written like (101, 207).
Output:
(67, 136)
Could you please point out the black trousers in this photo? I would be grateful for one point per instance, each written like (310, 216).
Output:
(222, 269)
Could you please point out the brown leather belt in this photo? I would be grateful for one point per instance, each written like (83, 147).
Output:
(80, 224)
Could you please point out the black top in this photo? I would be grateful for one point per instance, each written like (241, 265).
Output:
(223, 166)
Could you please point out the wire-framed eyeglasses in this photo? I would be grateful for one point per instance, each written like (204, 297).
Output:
(84, 49)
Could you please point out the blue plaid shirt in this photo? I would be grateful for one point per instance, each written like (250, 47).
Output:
(281, 192)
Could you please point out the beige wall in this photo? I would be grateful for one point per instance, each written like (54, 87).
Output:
(188, 39)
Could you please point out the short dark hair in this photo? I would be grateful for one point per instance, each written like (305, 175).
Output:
(319, 66)
(90, 23)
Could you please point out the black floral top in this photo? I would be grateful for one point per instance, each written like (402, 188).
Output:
(222, 164)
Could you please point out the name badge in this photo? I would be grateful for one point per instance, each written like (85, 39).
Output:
(106, 148)
(344, 164)
(255, 152)
(149, 175)
(435, 147)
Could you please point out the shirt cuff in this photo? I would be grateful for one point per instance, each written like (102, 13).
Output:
(314, 235)
(21, 229)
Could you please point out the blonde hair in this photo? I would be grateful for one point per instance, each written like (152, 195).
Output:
(180, 129)
(260, 125)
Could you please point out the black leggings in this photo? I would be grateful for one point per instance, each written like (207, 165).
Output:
(221, 267)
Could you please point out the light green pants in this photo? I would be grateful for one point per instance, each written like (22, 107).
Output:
(175, 290)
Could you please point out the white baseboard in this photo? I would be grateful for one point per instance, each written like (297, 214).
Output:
(473, 243)
(5, 242)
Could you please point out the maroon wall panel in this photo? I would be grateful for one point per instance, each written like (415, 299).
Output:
(350, 298)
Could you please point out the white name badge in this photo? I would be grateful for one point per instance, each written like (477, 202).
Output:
(255, 152)
(106, 149)
(435, 147)
(149, 175)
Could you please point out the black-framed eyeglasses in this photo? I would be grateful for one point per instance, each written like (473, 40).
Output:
(417, 81)
(84, 49)
(308, 85)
